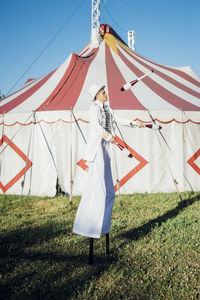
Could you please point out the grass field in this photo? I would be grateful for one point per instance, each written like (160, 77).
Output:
(154, 243)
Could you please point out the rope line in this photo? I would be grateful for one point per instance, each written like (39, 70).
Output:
(76, 121)
(123, 29)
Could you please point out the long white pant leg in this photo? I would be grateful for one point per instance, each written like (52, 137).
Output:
(91, 212)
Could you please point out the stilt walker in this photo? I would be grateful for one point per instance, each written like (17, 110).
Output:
(93, 217)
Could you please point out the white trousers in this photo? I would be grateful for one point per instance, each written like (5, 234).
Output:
(93, 217)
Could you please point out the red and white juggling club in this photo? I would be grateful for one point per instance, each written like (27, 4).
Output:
(128, 85)
(153, 126)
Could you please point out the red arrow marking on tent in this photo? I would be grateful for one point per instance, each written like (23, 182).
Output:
(142, 163)
(191, 161)
(22, 172)
(82, 163)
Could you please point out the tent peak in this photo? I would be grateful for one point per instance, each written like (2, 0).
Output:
(107, 29)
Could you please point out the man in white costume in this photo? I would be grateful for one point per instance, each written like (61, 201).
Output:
(93, 217)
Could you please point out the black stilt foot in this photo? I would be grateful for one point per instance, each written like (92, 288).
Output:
(91, 251)
(107, 245)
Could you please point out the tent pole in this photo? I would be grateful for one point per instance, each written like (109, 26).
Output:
(27, 158)
(71, 179)
(165, 141)
(31, 170)
(173, 178)
(117, 179)
(78, 126)
(1, 158)
(48, 146)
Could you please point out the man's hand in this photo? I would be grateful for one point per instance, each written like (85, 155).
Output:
(140, 125)
(113, 140)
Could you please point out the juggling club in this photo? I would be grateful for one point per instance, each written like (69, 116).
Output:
(128, 85)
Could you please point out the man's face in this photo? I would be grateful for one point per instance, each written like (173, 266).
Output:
(101, 96)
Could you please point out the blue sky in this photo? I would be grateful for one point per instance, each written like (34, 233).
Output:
(167, 31)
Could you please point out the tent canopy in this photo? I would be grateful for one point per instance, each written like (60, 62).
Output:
(112, 64)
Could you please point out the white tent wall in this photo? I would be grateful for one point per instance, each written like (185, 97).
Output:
(191, 136)
(40, 178)
(44, 165)
(11, 151)
(56, 145)
(69, 148)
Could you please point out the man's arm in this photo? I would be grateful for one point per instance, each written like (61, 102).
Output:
(126, 122)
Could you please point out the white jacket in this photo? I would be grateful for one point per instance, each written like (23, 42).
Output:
(96, 130)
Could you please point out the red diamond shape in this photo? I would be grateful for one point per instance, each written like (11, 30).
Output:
(142, 162)
(22, 172)
(191, 161)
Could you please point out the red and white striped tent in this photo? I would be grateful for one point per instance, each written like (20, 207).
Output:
(41, 143)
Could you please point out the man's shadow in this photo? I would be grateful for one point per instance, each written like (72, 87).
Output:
(139, 232)
(27, 246)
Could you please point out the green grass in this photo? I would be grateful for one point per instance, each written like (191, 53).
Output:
(154, 243)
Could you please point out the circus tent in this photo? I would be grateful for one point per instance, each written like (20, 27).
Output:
(42, 146)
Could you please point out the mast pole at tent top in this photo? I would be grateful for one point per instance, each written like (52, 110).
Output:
(95, 23)
(131, 39)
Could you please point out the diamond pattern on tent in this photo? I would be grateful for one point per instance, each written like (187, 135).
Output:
(191, 161)
(19, 152)
(142, 163)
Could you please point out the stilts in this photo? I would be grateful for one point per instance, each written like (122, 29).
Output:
(92, 248)
(107, 245)
(91, 251)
